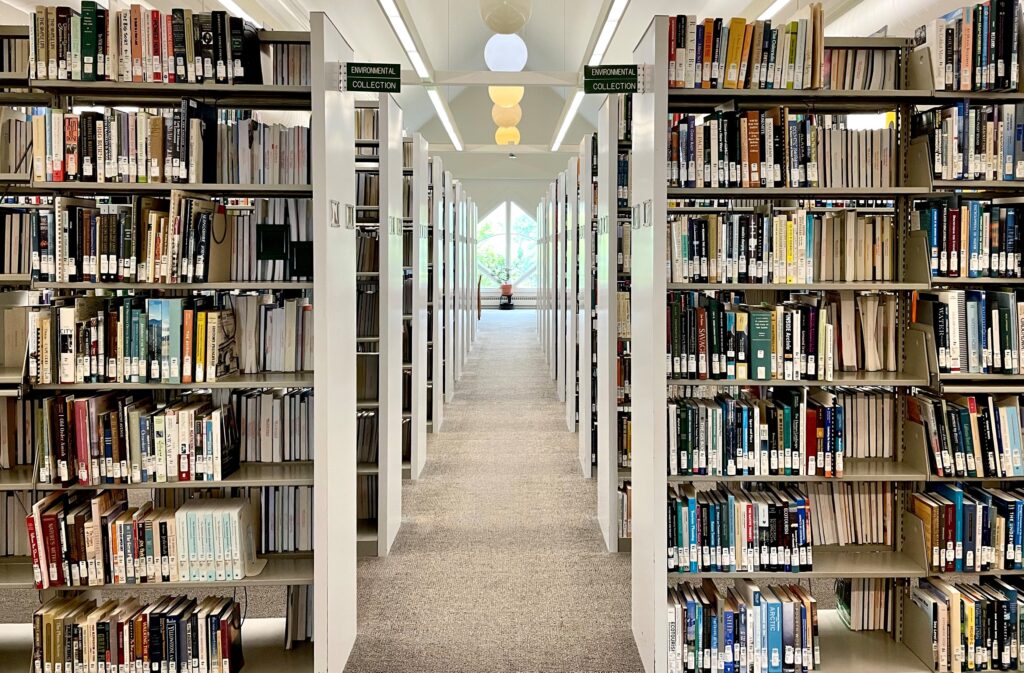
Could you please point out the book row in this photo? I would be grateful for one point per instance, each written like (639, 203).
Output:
(286, 518)
(970, 435)
(795, 247)
(366, 496)
(968, 528)
(624, 325)
(974, 626)
(367, 436)
(777, 148)
(367, 244)
(625, 120)
(622, 181)
(190, 143)
(975, 47)
(973, 142)
(625, 520)
(624, 240)
(272, 240)
(971, 239)
(866, 604)
(275, 424)
(859, 70)
(14, 55)
(298, 624)
(844, 513)
(169, 633)
(976, 331)
(84, 539)
(290, 64)
(737, 54)
(368, 193)
(624, 373)
(625, 437)
(809, 337)
(367, 309)
(775, 627)
(143, 45)
(15, 138)
(366, 123)
(128, 439)
(792, 432)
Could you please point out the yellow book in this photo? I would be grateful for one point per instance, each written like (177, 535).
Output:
(200, 346)
(734, 52)
(790, 261)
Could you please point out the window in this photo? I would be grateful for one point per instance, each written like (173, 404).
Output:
(507, 242)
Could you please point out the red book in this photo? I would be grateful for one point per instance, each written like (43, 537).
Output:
(186, 346)
(949, 534)
(815, 433)
(671, 51)
(168, 51)
(81, 425)
(953, 243)
(156, 53)
(54, 553)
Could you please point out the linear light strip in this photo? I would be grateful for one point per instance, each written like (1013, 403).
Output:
(442, 114)
(404, 37)
(604, 38)
(567, 121)
(772, 10)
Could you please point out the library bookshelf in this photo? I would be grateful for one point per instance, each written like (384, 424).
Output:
(587, 304)
(332, 568)
(909, 645)
(572, 285)
(417, 232)
(384, 516)
(612, 262)
(450, 288)
(435, 295)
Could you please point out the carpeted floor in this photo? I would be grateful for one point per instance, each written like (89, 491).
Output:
(499, 564)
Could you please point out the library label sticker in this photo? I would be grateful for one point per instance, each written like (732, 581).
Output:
(376, 77)
(610, 79)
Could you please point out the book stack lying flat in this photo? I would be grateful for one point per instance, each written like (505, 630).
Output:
(777, 148)
(143, 45)
(975, 48)
(706, 621)
(976, 331)
(972, 238)
(736, 54)
(176, 632)
(970, 435)
(131, 439)
(809, 337)
(785, 433)
(793, 247)
(969, 528)
(84, 539)
(189, 143)
(981, 621)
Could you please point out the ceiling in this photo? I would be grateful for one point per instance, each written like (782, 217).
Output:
(557, 36)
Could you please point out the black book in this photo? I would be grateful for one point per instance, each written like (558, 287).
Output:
(236, 51)
(251, 47)
(87, 146)
(716, 52)
(220, 47)
(64, 42)
(102, 68)
(178, 45)
(202, 24)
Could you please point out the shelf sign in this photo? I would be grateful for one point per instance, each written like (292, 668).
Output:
(374, 77)
(610, 79)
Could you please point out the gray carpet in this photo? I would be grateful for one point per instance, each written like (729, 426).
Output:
(499, 564)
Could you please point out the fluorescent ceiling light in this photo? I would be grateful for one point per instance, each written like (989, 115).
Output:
(573, 107)
(446, 121)
(404, 37)
(607, 31)
(233, 7)
(418, 64)
(772, 10)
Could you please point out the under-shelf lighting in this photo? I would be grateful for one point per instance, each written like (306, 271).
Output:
(567, 121)
(442, 114)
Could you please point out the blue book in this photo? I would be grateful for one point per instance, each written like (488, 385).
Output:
(773, 610)
(974, 240)
(729, 638)
(691, 628)
(691, 513)
(155, 309)
(954, 494)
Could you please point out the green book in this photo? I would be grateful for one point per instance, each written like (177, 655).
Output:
(760, 344)
(88, 40)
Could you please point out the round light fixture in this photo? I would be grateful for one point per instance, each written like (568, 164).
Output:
(505, 96)
(505, 53)
(507, 135)
(505, 16)
(506, 116)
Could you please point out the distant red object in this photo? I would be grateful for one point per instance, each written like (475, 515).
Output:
(506, 289)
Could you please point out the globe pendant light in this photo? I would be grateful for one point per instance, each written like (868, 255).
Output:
(506, 116)
(506, 135)
(505, 96)
(505, 16)
(505, 53)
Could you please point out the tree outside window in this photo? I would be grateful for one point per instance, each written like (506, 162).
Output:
(506, 249)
